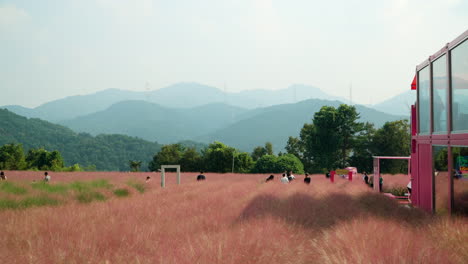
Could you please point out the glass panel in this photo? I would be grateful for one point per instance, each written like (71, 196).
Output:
(441, 180)
(460, 87)
(460, 180)
(439, 75)
(423, 90)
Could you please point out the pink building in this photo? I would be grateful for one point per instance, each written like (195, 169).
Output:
(439, 144)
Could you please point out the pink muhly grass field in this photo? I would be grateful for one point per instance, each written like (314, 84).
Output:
(229, 218)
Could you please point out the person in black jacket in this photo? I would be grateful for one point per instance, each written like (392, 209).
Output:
(307, 178)
(201, 177)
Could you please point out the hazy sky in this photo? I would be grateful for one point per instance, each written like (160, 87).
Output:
(50, 49)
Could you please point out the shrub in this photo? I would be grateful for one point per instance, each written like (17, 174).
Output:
(50, 188)
(121, 192)
(138, 186)
(397, 191)
(89, 196)
(10, 187)
(28, 202)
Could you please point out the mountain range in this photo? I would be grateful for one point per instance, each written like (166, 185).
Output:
(181, 95)
(238, 127)
(191, 111)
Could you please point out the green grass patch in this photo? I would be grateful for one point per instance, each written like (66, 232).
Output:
(50, 188)
(10, 187)
(140, 187)
(101, 183)
(88, 186)
(28, 202)
(79, 186)
(121, 192)
(89, 196)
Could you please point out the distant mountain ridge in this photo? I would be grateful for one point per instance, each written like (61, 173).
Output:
(238, 127)
(156, 123)
(181, 95)
(398, 105)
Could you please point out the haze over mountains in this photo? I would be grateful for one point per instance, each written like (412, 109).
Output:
(181, 95)
(191, 111)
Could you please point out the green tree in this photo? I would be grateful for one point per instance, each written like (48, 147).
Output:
(12, 157)
(348, 128)
(267, 164)
(169, 155)
(289, 162)
(260, 151)
(393, 139)
(322, 140)
(243, 162)
(363, 149)
(218, 157)
(191, 160)
(44, 160)
(295, 147)
(269, 148)
(134, 165)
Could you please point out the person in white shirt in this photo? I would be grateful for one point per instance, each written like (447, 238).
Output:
(409, 187)
(46, 177)
(284, 179)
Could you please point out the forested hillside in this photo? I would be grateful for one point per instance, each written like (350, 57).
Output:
(107, 152)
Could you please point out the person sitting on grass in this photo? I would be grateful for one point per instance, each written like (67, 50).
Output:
(201, 177)
(270, 178)
(307, 178)
(2, 176)
(46, 177)
(284, 179)
(291, 175)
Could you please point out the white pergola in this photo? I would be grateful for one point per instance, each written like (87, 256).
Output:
(163, 173)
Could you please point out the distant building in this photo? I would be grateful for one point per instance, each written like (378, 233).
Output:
(439, 142)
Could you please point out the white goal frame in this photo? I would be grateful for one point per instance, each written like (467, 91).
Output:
(163, 173)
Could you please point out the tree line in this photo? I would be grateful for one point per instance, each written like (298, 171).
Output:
(333, 139)
(12, 157)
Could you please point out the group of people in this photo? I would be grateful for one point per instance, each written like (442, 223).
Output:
(287, 177)
(369, 180)
(4, 178)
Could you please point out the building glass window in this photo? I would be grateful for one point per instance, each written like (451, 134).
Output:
(439, 80)
(460, 180)
(459, 61)
(423, 100)
(441, 180)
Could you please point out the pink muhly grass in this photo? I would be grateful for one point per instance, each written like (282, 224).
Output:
(231, 218)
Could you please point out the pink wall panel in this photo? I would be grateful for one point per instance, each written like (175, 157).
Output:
(424, 181)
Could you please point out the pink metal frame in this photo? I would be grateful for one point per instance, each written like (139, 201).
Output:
(377, 168)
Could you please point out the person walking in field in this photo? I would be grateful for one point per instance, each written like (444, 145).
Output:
(2, 176)
(284, 179)
(201, 177)
(380, 184)
(46, 177)
(307, 179)
(366, 178)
